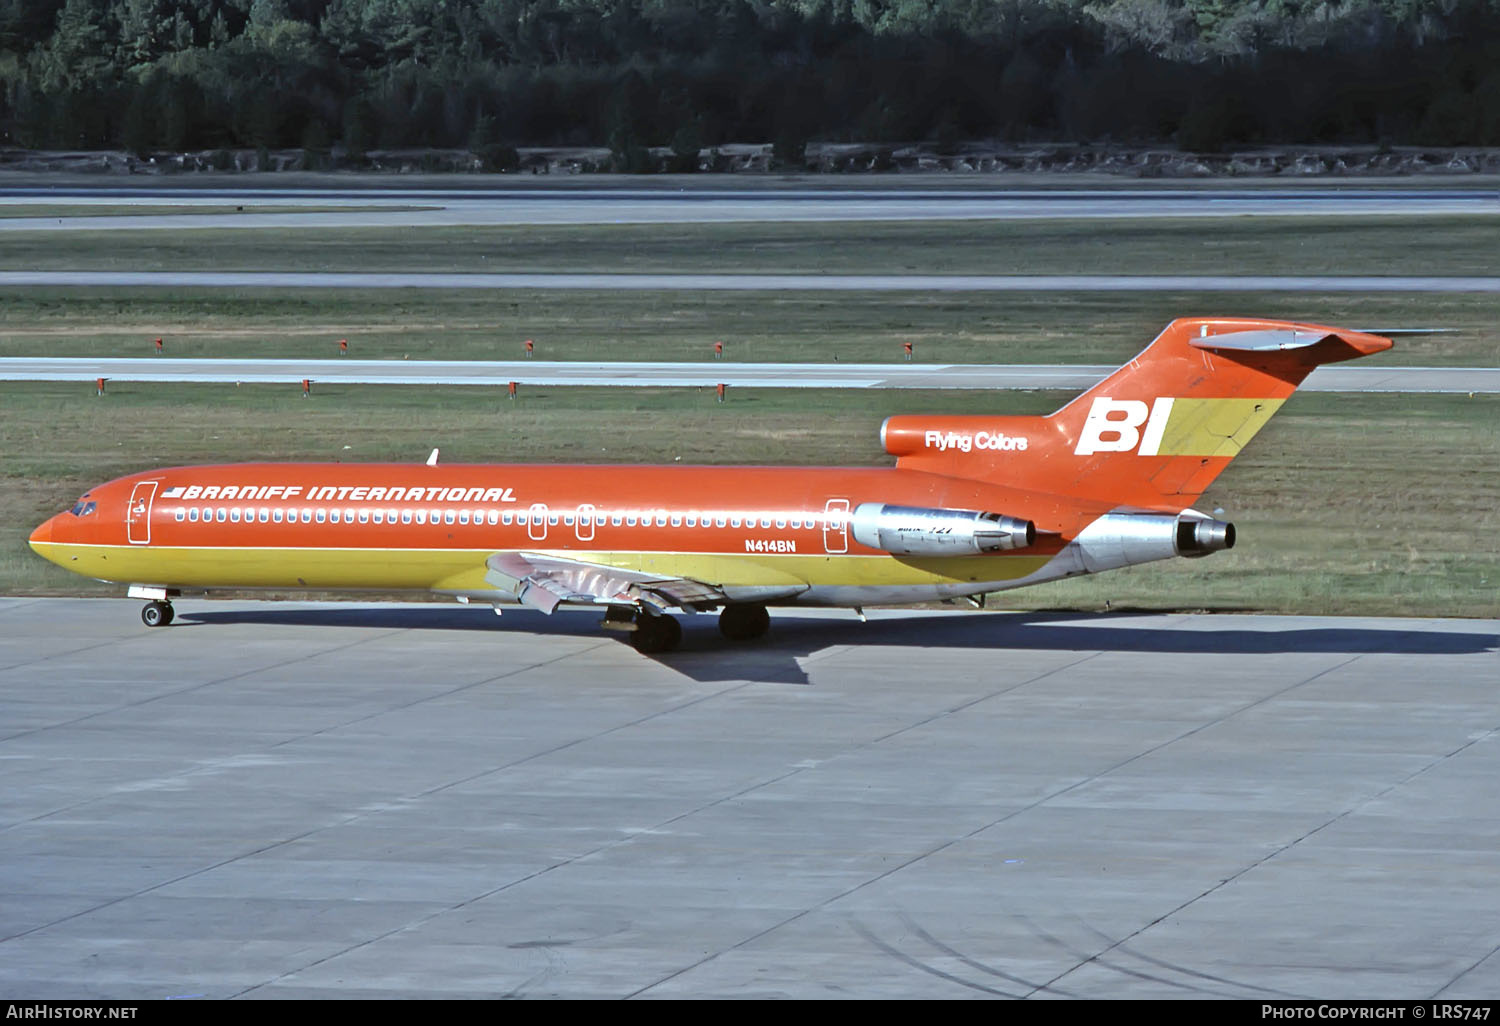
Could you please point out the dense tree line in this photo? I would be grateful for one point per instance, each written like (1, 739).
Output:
(492, 74)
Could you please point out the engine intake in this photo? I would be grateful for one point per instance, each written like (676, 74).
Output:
(924, 531)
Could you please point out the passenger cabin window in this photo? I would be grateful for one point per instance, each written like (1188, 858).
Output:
(505, 518)
(307, 516)
(406, 516)
(181, 514)
(493, 517)
(234, 516)
(448, 516)
(463, 516)
(193, 515)
(276, 515)
(321, 516)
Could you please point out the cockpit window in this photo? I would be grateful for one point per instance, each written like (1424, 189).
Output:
(83, 508)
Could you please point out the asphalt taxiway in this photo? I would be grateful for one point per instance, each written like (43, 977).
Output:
(362, 800)
(757, 282)
(646, 374)
(699, 201)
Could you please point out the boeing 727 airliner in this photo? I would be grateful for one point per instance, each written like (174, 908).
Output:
(974, 504)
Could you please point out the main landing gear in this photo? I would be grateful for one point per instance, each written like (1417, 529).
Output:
(157, 614)
(744, 623)
(653, 633)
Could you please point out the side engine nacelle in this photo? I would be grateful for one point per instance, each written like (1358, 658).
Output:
(1126, 539)
(923, 531)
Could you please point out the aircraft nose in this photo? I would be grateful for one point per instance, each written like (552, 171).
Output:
(43, 534)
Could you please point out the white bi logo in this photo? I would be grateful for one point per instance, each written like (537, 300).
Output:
(1114, 425)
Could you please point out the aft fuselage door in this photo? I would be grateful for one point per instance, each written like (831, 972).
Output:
(836, 526)
(138, 513)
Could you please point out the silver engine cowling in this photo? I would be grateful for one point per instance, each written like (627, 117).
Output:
(1125, 539)
(924, 531)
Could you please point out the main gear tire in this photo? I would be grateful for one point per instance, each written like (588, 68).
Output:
(744, 623)
(655, 634)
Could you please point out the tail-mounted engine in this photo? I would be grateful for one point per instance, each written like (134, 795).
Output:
(922, 531)
(1125, 539)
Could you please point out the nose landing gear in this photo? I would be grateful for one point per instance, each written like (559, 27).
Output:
(157, 614)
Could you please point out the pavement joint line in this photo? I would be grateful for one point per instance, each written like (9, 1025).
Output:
(1123, 970)
(1097, 958)
(1337, 665)
(1350, 810)
(458, 689)
(931, 970)
(159, 696)
(823, 904)
(557, 864)
(944, 948)
(617, 842)
(120, 639)
(1122, 948)
(1479, 962)
(240, 855)
(20, 602)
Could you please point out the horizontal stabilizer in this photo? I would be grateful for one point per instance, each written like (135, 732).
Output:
(1265, 341)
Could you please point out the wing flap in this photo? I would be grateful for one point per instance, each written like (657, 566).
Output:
(544, 582)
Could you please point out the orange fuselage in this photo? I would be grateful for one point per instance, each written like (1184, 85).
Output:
(431, 528)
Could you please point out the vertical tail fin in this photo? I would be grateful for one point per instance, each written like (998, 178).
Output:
(1156, 432)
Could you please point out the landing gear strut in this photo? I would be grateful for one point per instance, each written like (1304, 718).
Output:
(655, 633)
(742, 623)
(157, 614)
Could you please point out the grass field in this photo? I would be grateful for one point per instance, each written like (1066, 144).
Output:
(1371, 504)
(1408, 245)
(866, 327)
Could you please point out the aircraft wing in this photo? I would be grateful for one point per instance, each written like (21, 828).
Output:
(545, 581)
